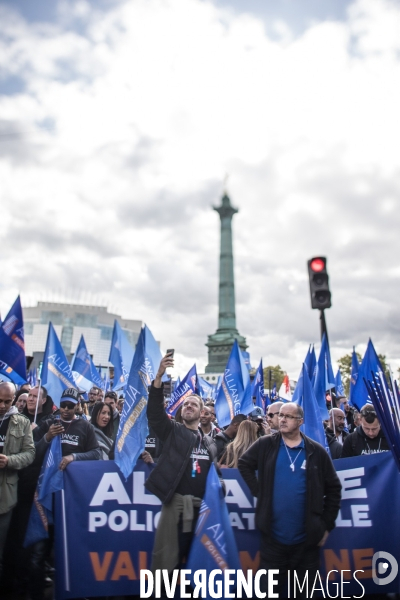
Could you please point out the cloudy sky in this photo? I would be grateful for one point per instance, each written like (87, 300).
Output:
(119, 120)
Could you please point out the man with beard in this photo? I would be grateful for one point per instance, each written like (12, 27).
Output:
(335, 433)
(179, 479)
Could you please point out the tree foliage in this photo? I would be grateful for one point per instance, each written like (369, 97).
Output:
(277, 375)
(345, 368)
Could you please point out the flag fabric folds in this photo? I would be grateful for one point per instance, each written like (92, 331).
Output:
(121, 356)
(339, 384)
(324, 379)
(258, 387)
(370, 364)
(83, 370)
(12, 346)
(187, 386)
(354, 373)
(133, 428)
(312, 426)
(56, 372)
(214, 545)
(51, 479)
(206, 389)
(311, 364)
(234, 395)
(387, 405)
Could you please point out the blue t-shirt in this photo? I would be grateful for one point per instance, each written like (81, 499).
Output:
(289, 495)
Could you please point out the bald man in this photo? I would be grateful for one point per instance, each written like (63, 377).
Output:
(17, 451)
(335, 433)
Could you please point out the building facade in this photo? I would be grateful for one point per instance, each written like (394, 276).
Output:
(70, 321)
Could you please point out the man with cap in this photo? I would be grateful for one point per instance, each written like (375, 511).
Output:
(257, 415)
(78, 439)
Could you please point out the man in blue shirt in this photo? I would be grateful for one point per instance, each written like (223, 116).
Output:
(298, 497)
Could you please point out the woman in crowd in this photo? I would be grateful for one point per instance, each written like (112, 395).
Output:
(102, 421)
(245, 437)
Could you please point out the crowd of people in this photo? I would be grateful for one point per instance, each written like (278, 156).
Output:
(275, 459)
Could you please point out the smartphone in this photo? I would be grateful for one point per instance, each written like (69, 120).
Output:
(57, 417)
(171, 352)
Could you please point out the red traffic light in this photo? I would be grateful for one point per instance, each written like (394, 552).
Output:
(317, 265)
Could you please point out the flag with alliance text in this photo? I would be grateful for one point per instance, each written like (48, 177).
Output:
(133, 428)
(234, 395)
(214, 544)
(56, 372)
(186, 387)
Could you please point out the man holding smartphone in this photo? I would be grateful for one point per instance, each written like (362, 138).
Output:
(179, 479)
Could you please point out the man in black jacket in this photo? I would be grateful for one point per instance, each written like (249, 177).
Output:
(335, 433)
(298, 497)
(179, 479)
(368, 438)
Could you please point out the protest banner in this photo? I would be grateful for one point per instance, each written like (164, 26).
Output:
(105, 528)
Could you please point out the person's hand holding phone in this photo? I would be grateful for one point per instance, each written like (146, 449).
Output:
(167, 361)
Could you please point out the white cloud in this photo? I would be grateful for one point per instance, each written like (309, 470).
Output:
(148, 109)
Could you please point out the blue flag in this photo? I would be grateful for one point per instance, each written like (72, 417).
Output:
(234, 396)
(386, 404)
(12, 346)
(206, 389)
(354, 373)
(258, 387)
(133, 428)
(312, 426)
(324, 379)
(121, 356)
(177, 383)
(339, 384)
(370, 364)
(186, 387)
(56, 372)
(214, 545)
(50, 480)
(246, 358)
(83, 370)
(32, 378)
(311, 364)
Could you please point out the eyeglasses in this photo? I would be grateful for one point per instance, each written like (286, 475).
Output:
(290, 417)
(67, 405)
(271, 415)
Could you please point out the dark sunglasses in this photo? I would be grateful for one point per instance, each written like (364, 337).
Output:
(271, 415)
(67, 405)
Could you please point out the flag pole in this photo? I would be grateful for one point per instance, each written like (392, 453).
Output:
(37, 401)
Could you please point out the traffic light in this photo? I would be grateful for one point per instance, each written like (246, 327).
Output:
(319, 283)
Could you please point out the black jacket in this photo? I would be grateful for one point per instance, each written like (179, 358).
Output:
(178, 442)
(358, 443)
(335, 447)
(323, 485)
(222, 440)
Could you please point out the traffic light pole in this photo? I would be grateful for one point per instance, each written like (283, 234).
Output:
(324, 329)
